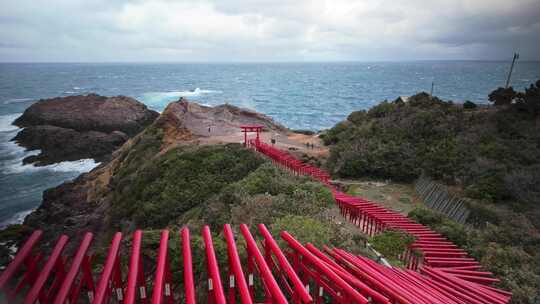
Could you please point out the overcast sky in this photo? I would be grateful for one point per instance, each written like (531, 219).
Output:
(265, 30)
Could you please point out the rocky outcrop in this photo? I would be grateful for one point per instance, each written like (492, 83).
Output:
(222, 120)
(77, 127)
(84, 204)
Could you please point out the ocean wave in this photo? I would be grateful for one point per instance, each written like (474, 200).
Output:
(160, 99)
(76, 166)
(6, 122)
(17, 218)
(14, 154)
(17, 100)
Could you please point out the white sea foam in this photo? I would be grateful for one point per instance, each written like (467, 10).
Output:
(6, 120)
(160, 99)
(16, 100)
(16, 154)
(77, 166)
(17, 218)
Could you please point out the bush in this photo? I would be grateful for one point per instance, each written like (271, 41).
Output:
(173, 183)
(480, 152)
(502, 96)
(305, 132)
(469, 105)
(304, 229)
(331, 136)
(391, 243)
(452, 230)
(357, 117)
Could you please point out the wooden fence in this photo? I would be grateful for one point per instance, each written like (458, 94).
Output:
(437, 197)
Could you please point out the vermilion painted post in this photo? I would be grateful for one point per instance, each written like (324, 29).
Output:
(214, 281)
(344, 286)
(238, 278)
(29, 276)
(189, 286)
(134, 269)
(264, 270)
(86, 280)
(299, 288)
(20, 258)
(103, 289)
(74, 270)
(160, 280)
(37, 289)
(251, 271)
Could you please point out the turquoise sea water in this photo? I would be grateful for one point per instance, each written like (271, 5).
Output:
(299, 95)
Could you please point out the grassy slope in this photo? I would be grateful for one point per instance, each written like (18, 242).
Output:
(220, 184)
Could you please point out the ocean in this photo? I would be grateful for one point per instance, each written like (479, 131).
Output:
(300, 95)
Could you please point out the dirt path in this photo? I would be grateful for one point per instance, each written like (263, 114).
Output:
(293, 142)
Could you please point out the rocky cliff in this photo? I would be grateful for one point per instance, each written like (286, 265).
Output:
(88, 202)
(77, 127)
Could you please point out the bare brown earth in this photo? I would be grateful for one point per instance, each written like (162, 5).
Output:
(184, 120)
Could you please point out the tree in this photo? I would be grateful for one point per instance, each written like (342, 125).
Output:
(469, 105)
(530, 100)
(502, 96)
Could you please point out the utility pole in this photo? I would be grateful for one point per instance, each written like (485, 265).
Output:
(431, 92)
(516, 57)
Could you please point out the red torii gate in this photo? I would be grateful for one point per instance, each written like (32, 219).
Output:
(251, 128)
(296, 274)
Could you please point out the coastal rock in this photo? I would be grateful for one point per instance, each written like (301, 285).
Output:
(61, 144)
(221, 120)
(85, 203)
(77, 127)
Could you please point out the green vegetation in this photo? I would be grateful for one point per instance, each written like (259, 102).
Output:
(163, 188)
(303, 131)
(213, 185)
(528, 101)
(399, 197)
(489, 154)
(391, 243)
(469, 105)
(8, 238)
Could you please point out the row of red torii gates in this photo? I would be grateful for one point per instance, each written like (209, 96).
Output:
(266, 273)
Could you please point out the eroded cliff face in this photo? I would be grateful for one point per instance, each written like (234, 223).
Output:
(78, 127)
(85, 203)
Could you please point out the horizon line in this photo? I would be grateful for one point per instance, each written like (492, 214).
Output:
(264, 62)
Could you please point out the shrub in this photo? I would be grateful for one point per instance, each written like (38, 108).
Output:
(173, 183)
(452, 230)
(391, 243)
(381, 110)
(357, 117)
(304, 229)
(331, 136)
(305, 132)
(502, 96)
(469, 105)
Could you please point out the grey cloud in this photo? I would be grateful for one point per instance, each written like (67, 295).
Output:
(280, 30)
